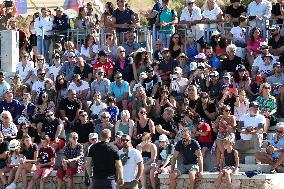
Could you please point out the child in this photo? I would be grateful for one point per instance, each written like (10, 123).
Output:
(45, 162)
(97, 106)
(13, 159)
(112, 109)
(254, 87)
(230, 160)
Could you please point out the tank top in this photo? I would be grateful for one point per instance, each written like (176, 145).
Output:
(146, 154)
(191, 51)
(124, 128)
(141, 130)
(229, 158)
(176, 53)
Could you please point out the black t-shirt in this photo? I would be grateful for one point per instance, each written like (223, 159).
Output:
(188, 151)
(192, 103)
(86, 71)
(84, 130)
(3, 148)
(149, 83)
(32, 132)
(49, 128)
(70, 107)
(157, 8)
(104, 156)
(235, 13)
(123, 17)
(274, 44)
(29, 153)
(166, 125)
(276, 11)
(230, 65)
(199, 109)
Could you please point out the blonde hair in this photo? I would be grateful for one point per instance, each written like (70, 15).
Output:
(8, 115)
(228, 141)
(262, 86)
(125, 113)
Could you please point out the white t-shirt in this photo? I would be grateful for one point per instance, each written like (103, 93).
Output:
(130, 168)
(212, 15)
(38, 86)
(251, 121)
(238, 33)
(10, 131)
(54, 71)
(85, 52)
(24, 71)
(80, 88)
(96, 110)
(175, 84)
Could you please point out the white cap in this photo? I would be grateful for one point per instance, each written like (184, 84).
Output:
(14, 144)
(193, 66)
(163, 138)
(200, 56)
(215, 33)
(93, 135)
(178, 70)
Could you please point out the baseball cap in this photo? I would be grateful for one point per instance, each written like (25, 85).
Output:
(214, 73)
(177, 70)
(227, 75)
(200, 56)
(163, 138)
(59, 9)
(14, 144)
(276, 64)
(165, 49)
(182, 55)
(102, 53)
(2, 73)
(240, 67)
(190, 1)
(93, 135)
(274, 27)
(253, 104)
(119, 133)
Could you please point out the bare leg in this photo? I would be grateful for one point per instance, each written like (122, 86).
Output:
(153, 178)
(143, 178)
(192, 179)
(264, 158)
(11, 175)
(219, 180)
(173, 179)
(69, 183)
(2, 175)
(228, 178)
(59, 183)
(32, 182)
(204, 151)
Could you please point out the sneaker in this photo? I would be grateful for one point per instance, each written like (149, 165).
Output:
(11, 186)
(272, 171)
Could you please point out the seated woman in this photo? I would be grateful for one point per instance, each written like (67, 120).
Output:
(70, 47)
(125, 125)
(26, 129)
(149, 154)
(8, 128)
(89, 49)
(165, 154)
(28, 161)
(164, 101)
(70, 162)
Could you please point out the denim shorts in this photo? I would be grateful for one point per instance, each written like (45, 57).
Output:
(185, 169)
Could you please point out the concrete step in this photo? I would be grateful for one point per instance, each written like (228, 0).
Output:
(250, 160)
(260, 167)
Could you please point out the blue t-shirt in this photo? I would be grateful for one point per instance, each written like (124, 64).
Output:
(167, 15)
(119, 91)
(14, 108)
(68, 70)
(114, 113)
(215, 62)
(123, 17)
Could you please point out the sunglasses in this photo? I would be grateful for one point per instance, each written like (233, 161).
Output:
(84, 115)
(100, 73)
(105, 117)
(204, 97)
(44, 96)
(93, 139)
(266, 87)
(42, 74)
(176, 37)
(227, 110)
(61, 78)
(142, 112)
(278, 131)
(119, 77)
(122, 51)
(71, 56)
(125, 140)
(39, 59)
(57, 57)
(158, 44)
(49, 115)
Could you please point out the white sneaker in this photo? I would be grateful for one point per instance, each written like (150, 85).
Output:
(11, 186)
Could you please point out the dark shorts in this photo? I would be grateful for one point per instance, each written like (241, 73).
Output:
(2, 164)
(206, 145)
(104, 184)
(185, 169)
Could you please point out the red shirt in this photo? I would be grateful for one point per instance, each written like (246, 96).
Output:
(45, 155)
(107, 66)
(205, 128)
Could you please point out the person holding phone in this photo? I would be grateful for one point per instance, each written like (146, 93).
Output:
(250, 128)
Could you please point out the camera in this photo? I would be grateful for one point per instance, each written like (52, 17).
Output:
(8, 3)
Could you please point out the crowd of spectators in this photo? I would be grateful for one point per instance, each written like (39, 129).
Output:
(191, 96)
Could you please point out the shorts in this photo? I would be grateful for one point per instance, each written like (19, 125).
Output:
(68, 173)
(43, 171)
(206, 145)
(3, 164)
(185, 169)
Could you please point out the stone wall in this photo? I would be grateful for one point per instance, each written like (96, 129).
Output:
(240, 181)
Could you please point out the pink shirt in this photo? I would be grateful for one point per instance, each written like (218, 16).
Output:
(254, 46)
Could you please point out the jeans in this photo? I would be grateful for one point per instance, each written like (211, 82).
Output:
(43, 47)
(165, 37)
(104, 184)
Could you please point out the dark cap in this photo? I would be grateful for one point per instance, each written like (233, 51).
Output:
(254, 104)
(276, 64)
(59, 9)
(240, 67)
(119, 133)
(149, 68)
(2, 73)
(102, 53)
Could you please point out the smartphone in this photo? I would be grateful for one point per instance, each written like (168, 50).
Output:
(232, 90)
(8, 3)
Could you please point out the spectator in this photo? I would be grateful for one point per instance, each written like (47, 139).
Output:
(104, 124)
(192, 15)
(110, 46)
(152, 14)
(192, 97)
(158, 50)
(163, 101)
(125, 125)
(11, 105)
(69, 47)
(97, 106)
(213, 84)
(141, 60)
(241, 105)
(165, 154)
(100, 83)
(232, 61)
(27, 107)
(190, 151)
(198, 77)
(166, 19)
(13, 24)
(49, 89)
(165, 124)
(69, 108)
(276, 42)
(18, 88)
(43, 27)
(213, 60)
(6, 13)
(259, 11)
(84, 70)
(178, 84)
(130, 44)
(38, 86)
(105, 63)
(60, 88)
(167, 66)
(143, 125)
(230, 160)
(70, 162)
(276, 12)
(8, 128)
(26, 129)
(60, 21)
(176, 45)
(123, 19)
(234, 11)
(132, 163)
(106, 19)
(273, 155)
(27, 164)
(123, 64)
(54, 70)
(211, 15)
(120, 90)
(141, 100)
(205, 108)
(4, 85)
(218, 43)
(68, 67)
(149, 155)
(4, 152)
(93, 16)
(83, 21)
(112, 109)
(45, 160)
(239, 32)
(90, 49)
(267, 106)
(192, 48)
(40, 64)
(250, 126)
(105, 166)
